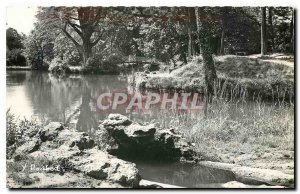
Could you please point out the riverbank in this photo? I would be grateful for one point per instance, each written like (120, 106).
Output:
(248, 77)
(253, 134)
(250, 121)
(55, 156)
(16, 68)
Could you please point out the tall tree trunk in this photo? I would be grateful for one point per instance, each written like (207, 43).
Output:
(205, 37)
(222, 41)
(292, 32)
(263, 31)
(190, 42)
(192, 31)
(191, 25)
(198, 23)
(86, 52)
(224, 11)
(270, 21)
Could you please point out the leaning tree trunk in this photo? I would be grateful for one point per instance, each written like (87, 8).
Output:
(263, 31)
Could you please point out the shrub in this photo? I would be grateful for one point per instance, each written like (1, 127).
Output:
(59, 66)
(15, 130)
(97, 64)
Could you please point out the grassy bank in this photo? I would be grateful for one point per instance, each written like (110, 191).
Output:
(249, 76)
(252, 134)
(251, 118)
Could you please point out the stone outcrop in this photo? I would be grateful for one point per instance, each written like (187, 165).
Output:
(272, 177)
(236, 184)
(253, 176)
(149, 142)
(55, 151)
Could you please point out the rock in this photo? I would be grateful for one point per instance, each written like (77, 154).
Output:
(27, 148)
(102, 166)
(219, 165)
(116, 119)
(62, 153)
(253, 175)
(155, 185)
(71, 159)
(272, 177)
(133, 140)
(50, 131)
(136, 130)
(236, 184)
(75, 138)
(24, 179)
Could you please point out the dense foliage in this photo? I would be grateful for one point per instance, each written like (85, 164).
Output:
(14, 48)
(97, 36)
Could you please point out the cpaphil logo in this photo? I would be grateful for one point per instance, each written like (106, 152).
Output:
(150, 100)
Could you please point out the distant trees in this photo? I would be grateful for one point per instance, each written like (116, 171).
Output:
(172, 35)
(283, 25)
(14, 45)
(39, 47)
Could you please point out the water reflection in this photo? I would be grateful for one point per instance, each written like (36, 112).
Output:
(71, 99)
(184, 174)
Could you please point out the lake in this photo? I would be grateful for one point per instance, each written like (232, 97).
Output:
(73, 100)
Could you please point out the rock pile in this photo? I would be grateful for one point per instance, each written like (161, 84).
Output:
(57, 151)
(128, 139)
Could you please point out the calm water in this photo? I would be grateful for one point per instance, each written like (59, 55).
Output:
(185, 175)
(49, 98)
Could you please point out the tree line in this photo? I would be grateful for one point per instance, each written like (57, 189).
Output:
(100, 36)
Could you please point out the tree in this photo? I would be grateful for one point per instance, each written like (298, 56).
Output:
(192, 31)
(292, 32)
(39, 47)
(283, 29)
(263, 31)
(224, 11)
(84, 21)
(270, 21)
(204, 25)
(13, 39)
(14, 45)
(198, 24)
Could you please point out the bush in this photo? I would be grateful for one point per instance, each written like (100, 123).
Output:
(15, 130)
(59, 66)
(97, 64)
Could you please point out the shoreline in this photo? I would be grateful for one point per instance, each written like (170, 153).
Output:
(36, 150)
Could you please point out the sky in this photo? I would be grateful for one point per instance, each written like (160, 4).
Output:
(21, 18)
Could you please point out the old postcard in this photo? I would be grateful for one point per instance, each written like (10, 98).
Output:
(150, 97)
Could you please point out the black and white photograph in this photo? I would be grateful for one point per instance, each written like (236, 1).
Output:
(150, 97)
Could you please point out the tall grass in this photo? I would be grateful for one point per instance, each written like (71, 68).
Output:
(234, 125)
